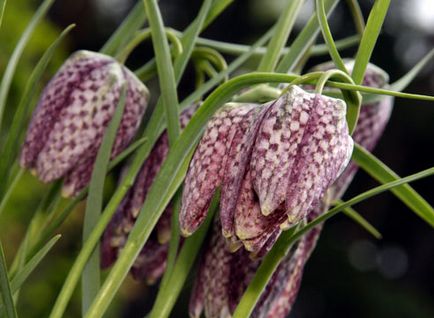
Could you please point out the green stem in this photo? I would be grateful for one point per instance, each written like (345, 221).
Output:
(238, 49)
(283, 29)
(170, 290)
(357, 14)
(11, 189)
(91, 274)
(328, 37)
(141, 36)
(5, 287)
(369, 38)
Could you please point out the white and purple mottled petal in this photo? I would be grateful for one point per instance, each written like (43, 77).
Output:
(206, 168)
(238, 160)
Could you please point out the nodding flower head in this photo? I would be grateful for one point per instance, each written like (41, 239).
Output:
(74, 110)
(273, 163)
(151, 263)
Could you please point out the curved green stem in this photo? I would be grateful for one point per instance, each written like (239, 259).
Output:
(356, 12)
(211, 55)
(143, 35)
(328, 37)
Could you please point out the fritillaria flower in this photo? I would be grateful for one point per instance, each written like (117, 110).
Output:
(151, 262)
(273, 163)
(74, 110)
(224, 276)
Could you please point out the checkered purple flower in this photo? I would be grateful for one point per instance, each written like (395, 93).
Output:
(74, 110)
(224, 276)
(273, 163)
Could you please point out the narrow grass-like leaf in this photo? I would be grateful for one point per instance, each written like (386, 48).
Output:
(280, 249)
(2, 10)
(218, 6)
(327, 35)
(18, 279)
(91, 273)
(283, 29)
(303, 41)
(382, 173)
(9, 150)
(135, 19)
(169, 292)
(168, 180)
(30, 266)
(10, 190)
(369, 38)
(5, 287)
(360, 220)
(166, 74)
(19, 48)
(403, 82)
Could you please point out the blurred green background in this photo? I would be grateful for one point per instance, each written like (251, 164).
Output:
(350, 274)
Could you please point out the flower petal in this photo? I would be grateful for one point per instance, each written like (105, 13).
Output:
(276, 147)
(238, 157)
(206, 168)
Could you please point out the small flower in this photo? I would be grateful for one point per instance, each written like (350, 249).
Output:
(151, 263)
(273, 163)
(75, 108)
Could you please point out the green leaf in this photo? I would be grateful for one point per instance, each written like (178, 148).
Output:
(91, 273)
(369, 38)
(327, 35)
(135, 19)
(403, 82)
(5, 287)
(18, 123)
(170, 290)
(2, 10)
(283, 29)
(303, 41)
(287, 239)
(19, 48)
(166, 74)
(384, 174)
(29, 267)
(18, 280)
(360, 220)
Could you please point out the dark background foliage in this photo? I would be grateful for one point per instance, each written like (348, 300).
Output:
(350, 274)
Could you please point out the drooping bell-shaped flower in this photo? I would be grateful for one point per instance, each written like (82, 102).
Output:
(73, 112)
(223, 276)
(273, 163)
(151, 262)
